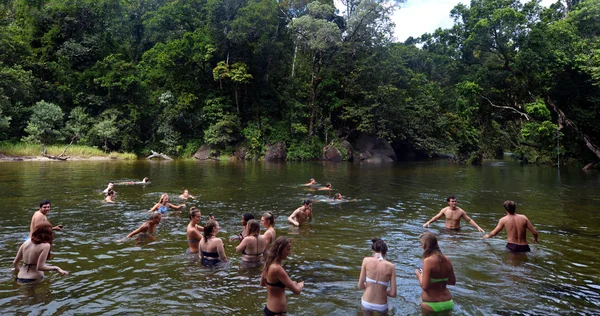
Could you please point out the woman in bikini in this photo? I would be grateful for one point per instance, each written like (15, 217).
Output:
(34, 253)
(276, 279)
(253, 245)
(268, 221)
(377, 279)
(194, 231)
(163, 205)
(436, 274)
(211, 248)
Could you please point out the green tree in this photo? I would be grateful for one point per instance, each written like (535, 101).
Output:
(44, 124)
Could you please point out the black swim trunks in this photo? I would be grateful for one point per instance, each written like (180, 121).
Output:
(517, 248)
(270, 313)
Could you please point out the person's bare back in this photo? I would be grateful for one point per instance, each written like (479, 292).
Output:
(516, 229)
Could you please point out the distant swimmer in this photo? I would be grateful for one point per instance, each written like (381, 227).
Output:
(246, 217)
(108, 187)
(268, 222)
(186, 195)
(163, 205)
(144, 181)
(453, 216)
(194, 231)
(110, 196)
(149, 227)
(516, 229)
(311, 182)
(40, 217)
(327, 187)
(34, 252)
(301, 214)
(337, 197)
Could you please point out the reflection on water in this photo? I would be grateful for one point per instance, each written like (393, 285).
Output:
(559, 276)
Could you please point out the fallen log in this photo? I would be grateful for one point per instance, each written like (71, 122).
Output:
(158, 155)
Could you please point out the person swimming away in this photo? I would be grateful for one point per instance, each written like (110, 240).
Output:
(327, 187)
(310, 183)
(144, 181)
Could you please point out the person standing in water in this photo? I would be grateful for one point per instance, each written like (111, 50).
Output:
(186, 195)
(268, 222)
(436, 274)
(194, 231)
(277, 280)
(163, 205)
(211, 248)
(378, 280)
(301, 214)
(149, 227)
(245, 218)
(516, 229)
(40, 217)
(453, 216)
(253, 246)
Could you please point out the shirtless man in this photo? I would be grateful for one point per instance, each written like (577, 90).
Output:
(453, 216)
(108, 188)
(148, 227)
(516, 229)
(301, 214)
(40, 216)
(110, 196)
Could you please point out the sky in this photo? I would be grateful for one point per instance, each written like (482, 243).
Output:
(416, 17)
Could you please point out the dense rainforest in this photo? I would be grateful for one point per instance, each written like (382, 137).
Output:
(171, 75)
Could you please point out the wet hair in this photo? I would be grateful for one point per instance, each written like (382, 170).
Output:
(451, 197)
(110, 192)
(328, 185)
(379, 246)
(430, 244)
(253, 228)
(510, 206)
(307, 202)
(162, 198)
(145, 179)
(209, 229)
(44, 202)
(312, 179)
(269, 217)
(275, 252)
(247, 216)
(337, 196)
(193, 211)
(155, 215)
(42, 233)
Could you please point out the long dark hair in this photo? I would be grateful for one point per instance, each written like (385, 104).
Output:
(275, 252)
(431, 246)
(247, 217)
(209, 229)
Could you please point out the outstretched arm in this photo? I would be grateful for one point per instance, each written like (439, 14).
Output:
(472, 222)
(496, 230)
(433, 219)
(175, 206)
(140, 229)
(533, 231)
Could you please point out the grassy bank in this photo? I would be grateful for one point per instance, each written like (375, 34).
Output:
(28, 150)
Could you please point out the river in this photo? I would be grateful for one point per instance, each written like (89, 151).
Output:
(392, 201)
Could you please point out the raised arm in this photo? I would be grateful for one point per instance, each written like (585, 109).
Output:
(435, 218)
(472, 222)
(496, 230)
(175, 206)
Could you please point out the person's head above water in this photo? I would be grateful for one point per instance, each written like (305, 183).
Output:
(307, 202)
(510, 207)
(268, 218)
(379, 246)
(145, 180)
(253, 227)
(246, 217)
(429, 243)
(337, 196)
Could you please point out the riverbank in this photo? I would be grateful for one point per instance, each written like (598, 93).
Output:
(32, 152)
(42, 158)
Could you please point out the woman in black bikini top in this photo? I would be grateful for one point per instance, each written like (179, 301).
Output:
(276, 279)
(252, 246)
(211, 247)
(34, 252)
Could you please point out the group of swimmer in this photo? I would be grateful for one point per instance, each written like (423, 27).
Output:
(377, 275)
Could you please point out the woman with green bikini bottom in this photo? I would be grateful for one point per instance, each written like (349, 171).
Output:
(437, 272)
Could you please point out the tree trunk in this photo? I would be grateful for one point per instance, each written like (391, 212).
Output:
(315, 84)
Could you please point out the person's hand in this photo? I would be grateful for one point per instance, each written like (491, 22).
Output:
(481, 230)
(426, 225)
(58, 227)
(182, 205)
(486, 236)
(300, 284)
(536, 241)
(61, 271)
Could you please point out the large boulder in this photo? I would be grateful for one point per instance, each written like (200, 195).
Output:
(203, 152)
(240, 153)
(331, 153)
(349, 150)
(275, 152)
(377, 158)
(369, 145)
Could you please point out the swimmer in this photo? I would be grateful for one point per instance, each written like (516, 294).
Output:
(34, 252)
(211, 248)
(110, 196)
(254, 245)
(194, 231)
(276, 279)
(436, 274)
(108, 187)
(163, 205)
(148, 227)
(144, 181)
(327, 187)
(377, 279)
(268, 222)
(453, 216)
(186, 195)
(40, 217)
(516, 229)
(311, 182)
(245, 218)
(301, 214)
(337, 197)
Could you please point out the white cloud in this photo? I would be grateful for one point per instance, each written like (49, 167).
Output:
(416, 17)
